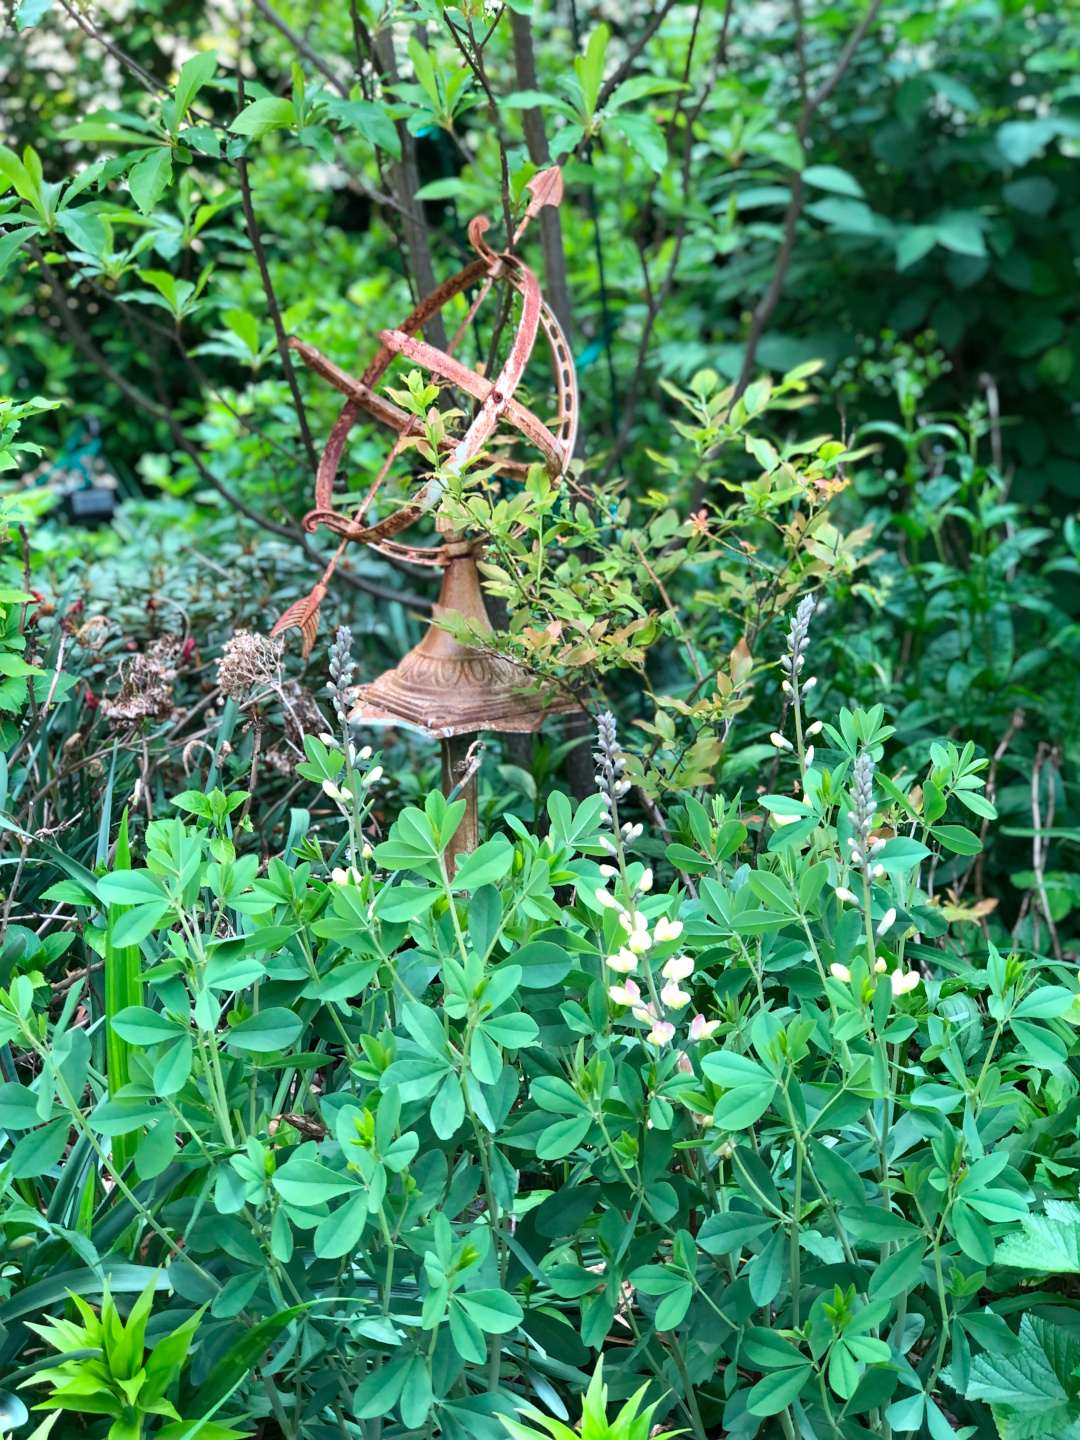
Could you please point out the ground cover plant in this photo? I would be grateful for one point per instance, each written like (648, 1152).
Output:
(730, 1087)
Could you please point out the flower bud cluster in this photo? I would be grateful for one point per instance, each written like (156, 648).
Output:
(863, 806)
(342, 669)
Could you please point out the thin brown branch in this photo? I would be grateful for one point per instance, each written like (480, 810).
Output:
(14, 886)
(655, 21)
(148, 81)
(275, 310)
(406, 181)
(302, 47)
(809, 108)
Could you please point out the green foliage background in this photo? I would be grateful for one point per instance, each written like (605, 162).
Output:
(818, 266)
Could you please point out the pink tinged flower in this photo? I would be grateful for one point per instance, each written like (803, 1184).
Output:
(841, 972)
(679, 967)
(627, 994)
(902, 984)
(625, 961)
(701, 1029)
(673, 997)
(662, 1033)
(667, 930)
(684, 1064)
(646, 1014)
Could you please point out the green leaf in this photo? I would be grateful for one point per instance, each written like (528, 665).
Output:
(84, 229)
(957, 839)
(543, 964)
(728, 1232)
(776, 1392)
(1047, 1243)
(18, 1107)
(11, 244)
(262, 116)
(308, 1183)
(728, 1069)
(149, 178)
(487, 863)
(368, 119)
(380, 1391)
(141, 1026)
(835, 180)
(129, 887)
(514, 1031)
(273, 1029)
(645, 136)
(1036, 1378)
(30, 12)
(743, 1105)
(194, 74)
(404, 902)
(558, 1140)
(493, 1310)
(123, 992)
(766, 1350)
(40, 1150)
(899, 1272)
(174, 1067)
(839, 1179)
(1048, 1002)
(241, 1357)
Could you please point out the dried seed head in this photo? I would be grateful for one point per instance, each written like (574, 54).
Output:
(248, 660)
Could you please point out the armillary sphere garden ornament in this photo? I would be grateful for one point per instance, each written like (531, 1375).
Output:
(444, 689)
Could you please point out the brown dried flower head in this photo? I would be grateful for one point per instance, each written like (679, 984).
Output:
(248, 660)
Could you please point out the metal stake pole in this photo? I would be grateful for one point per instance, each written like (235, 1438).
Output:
(467, 838)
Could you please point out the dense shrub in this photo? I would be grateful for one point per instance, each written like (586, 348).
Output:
(783, 1142)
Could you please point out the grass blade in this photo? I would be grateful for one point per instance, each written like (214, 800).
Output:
(123, 987)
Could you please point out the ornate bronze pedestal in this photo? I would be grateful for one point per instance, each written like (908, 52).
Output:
(443, 688)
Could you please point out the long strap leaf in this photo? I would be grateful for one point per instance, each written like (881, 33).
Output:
(123, 987)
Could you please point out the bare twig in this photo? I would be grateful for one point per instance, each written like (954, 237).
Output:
(556, 289)
(809, 108)
(654, 22)
(302, 47)
(275, 310)
(763, 311)
(406, 179)
(976, 867)
(1046, 754)
(143, 76)
(75, 977)
(14, 886)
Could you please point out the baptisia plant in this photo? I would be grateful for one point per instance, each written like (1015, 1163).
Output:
(749, 1115)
